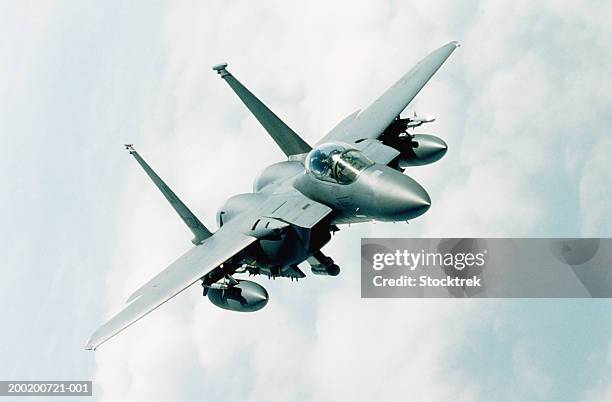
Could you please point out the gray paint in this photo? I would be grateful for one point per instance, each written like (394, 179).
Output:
(290, 216)
(285, 137)
(197, 228)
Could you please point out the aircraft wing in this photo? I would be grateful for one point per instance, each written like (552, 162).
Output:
(371, 122)
(188, 269)
(233, 237)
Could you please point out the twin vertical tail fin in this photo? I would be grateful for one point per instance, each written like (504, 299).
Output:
(287, 139)
(200, 231)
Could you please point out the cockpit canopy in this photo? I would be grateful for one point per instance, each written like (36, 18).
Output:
(336, 162)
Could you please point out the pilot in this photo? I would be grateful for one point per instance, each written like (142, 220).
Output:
(320, 163)
(336, 163)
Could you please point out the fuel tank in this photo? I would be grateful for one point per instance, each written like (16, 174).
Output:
(246, 296)
(422, 149)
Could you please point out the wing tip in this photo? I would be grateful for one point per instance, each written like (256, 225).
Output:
(455, 43)
(90, 345)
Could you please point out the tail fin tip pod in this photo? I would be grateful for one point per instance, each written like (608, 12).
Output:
(200, 231)
(220, 69)
(287, 139)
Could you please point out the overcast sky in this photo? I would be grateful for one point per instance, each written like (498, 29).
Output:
(525, 106)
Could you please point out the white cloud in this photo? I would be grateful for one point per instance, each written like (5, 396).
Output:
(30, 23)
(530, 381)
(389, 350)
(602, 391)
(502, 110)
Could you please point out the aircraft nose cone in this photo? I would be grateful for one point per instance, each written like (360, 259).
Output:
(403, 198)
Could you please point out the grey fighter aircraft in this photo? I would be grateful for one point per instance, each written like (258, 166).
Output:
(353, 174)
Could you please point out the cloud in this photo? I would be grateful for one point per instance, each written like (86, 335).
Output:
(530, 380)
(386, 350)
(602, 391)
(505, 103)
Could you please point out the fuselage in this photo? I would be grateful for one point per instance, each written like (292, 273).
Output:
(380, 193)
(377, 192)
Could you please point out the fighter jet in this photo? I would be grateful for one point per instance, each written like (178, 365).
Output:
(354, 174)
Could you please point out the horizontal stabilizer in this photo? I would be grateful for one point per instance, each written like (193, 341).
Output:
(197, 228)
(287, 139)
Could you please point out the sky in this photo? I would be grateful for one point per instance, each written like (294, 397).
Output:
(524, 105)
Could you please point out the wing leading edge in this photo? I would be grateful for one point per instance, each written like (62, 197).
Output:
(371, 122)
(232, 238)
(188, 269)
